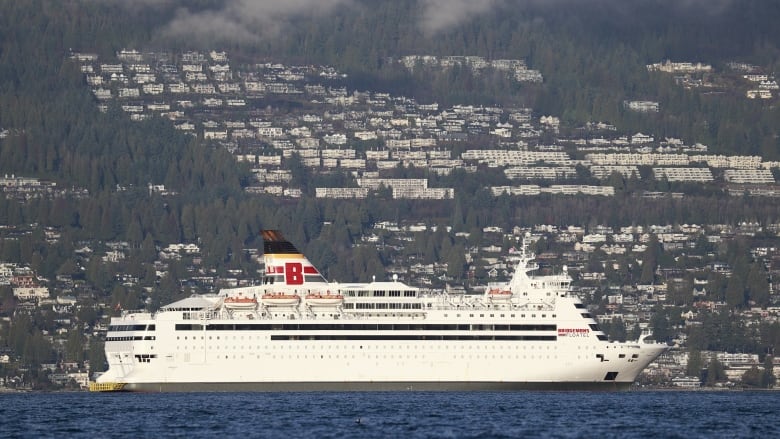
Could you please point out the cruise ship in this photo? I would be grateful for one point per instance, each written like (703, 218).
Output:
(295, 331)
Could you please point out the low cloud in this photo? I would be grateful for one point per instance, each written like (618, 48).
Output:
(440, 15)
(443, 15)
(252, 20)
(248, 20)
(234, 20)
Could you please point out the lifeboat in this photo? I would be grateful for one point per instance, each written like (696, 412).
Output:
(240, 302)
(497, 295)
(280, 299)
(324, 299)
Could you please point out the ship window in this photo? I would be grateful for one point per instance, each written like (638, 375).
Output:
(127, 328)
(622, 356)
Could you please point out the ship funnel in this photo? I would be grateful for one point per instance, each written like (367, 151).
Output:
(285, 265)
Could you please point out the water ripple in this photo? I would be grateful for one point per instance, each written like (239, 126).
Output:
(404, 415)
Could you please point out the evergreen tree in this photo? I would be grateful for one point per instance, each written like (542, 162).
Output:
(758, 285)
(74, 347)
(768, 378)
(96, 355)
(650, 261)
(695, 363)
(456, 262)
(753, 377)
(735, 291)
(715, 372)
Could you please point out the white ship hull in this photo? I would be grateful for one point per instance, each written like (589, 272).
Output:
(215, 360)
(387, 337)
(417, 386)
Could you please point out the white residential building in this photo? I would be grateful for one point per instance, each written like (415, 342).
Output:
(643, 106)
(540, 172)
(178, 87)
(129, 92)
(31, 293)
(335, 139)
(354, 163)
(382, 154)
(270, 132)
(679, 67)
(683, 174)
(153, 89)
(749, 176)
(365, 135)
(204, 89)
(604, 171)
(307, 142)
(341, 192)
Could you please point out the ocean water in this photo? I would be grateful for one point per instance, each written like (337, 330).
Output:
(405, 415)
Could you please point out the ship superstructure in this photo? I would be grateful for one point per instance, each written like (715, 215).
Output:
(296, 331)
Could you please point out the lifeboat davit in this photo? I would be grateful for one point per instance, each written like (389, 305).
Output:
(324, 299)
(281, 299)
(497, 295)
(240, 302)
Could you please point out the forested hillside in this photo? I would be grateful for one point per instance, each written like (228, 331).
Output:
(593, 55)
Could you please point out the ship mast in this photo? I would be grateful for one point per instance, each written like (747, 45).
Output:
(524, 266)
